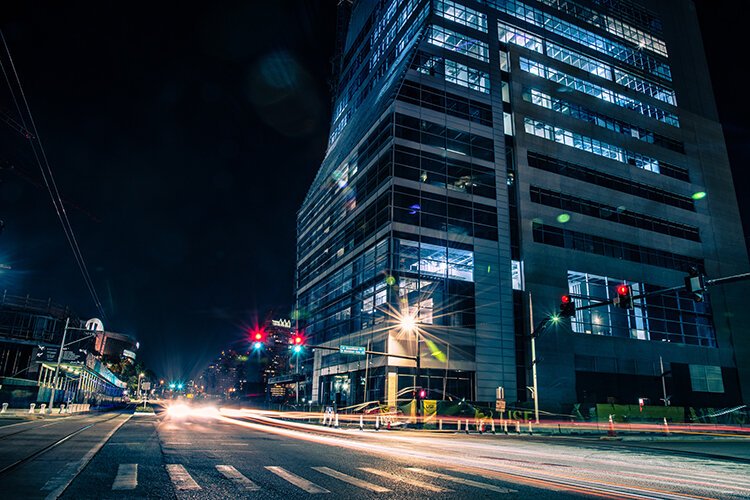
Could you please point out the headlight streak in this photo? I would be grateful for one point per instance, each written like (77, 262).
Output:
(539, 477)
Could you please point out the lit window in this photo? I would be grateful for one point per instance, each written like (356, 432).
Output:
(461, 44)
(461, 14)
(516, 273)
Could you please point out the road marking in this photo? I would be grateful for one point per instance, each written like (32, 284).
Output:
(352, 480)
(237, 478)
(460, 480)
(297, 481)
(59, 479)
(180, 478)
(413, 482)
(84, 461)
(127, 477)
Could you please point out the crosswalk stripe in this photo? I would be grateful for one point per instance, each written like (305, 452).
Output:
(351, 480)
(460, 480)
(127, 477)
(180, 478)
(237, 478)
(413, 482)
(297, 481)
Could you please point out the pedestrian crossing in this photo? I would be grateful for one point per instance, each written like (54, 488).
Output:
(183, 481)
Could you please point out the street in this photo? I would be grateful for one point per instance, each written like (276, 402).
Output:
(237, 454)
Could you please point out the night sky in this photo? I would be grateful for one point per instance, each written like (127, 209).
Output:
(183, 141)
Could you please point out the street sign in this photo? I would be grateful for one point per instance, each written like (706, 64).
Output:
(352, 349)
(500, 405)
(146, 386)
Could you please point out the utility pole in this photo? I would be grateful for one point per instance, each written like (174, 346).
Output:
(57, 366)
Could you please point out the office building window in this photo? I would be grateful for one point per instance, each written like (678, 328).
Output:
(706, 378)
(456, 42)
(461, 14)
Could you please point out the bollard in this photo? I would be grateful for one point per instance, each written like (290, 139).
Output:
(480, 426)
(459, 425)
(505, 427)
(361, 423)
(467, 426)
(518, 427)
(62, 409)
(324, 419)
(5, 407)
(440, 424)
(43, 409)
(377, 422)
(531, 433)
(337, 421)
(666, 426)
(611, 431)
(492, 429)
(31, 407)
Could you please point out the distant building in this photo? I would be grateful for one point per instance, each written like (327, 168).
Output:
(31, 331)
(245, 374)
(484, 153)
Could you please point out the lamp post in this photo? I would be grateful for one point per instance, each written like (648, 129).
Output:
(408, 323)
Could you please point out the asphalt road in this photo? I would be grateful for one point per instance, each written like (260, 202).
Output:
(244, 455)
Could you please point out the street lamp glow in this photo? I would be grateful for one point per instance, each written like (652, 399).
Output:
(408, 322)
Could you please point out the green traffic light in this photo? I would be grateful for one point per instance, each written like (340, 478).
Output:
(297, 349)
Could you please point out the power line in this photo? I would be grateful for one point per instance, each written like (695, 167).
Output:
(46, 170)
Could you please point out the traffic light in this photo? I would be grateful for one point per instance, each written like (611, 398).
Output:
(624, 298)
(567, 306)
(695, 284)
(297, 342)
(258, 338)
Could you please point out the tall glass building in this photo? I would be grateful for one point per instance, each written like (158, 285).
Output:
(486, 157)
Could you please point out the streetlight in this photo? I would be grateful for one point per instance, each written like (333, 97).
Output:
(408, 323)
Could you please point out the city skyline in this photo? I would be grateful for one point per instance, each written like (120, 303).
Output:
(143, 245)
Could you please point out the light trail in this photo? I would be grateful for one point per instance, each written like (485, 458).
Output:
(407, 446)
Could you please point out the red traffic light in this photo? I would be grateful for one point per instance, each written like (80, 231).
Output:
(624, 298)
(297, 340)
(567, 307)
(258, 334)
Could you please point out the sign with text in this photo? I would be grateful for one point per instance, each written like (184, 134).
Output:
(352, 349)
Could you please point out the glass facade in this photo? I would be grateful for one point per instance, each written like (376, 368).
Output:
(437, 200)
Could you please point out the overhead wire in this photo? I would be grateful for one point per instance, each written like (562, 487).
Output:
(46, 170)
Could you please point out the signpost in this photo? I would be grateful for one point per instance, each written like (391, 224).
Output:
(351, 349)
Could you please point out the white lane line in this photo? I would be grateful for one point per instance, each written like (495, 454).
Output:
(237, 478)
(66, 480)
(460, 480)
(180, 478)
(127, 477)
(413, 482)
(297, 481)
(352, 480)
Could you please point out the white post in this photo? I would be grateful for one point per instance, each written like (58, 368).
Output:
(663, 381)
(361, 422)
(533, 360)
(57, 366)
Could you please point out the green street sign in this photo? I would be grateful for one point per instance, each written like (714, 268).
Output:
(351, 349)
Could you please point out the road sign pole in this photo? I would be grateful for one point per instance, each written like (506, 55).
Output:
(57, 366)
